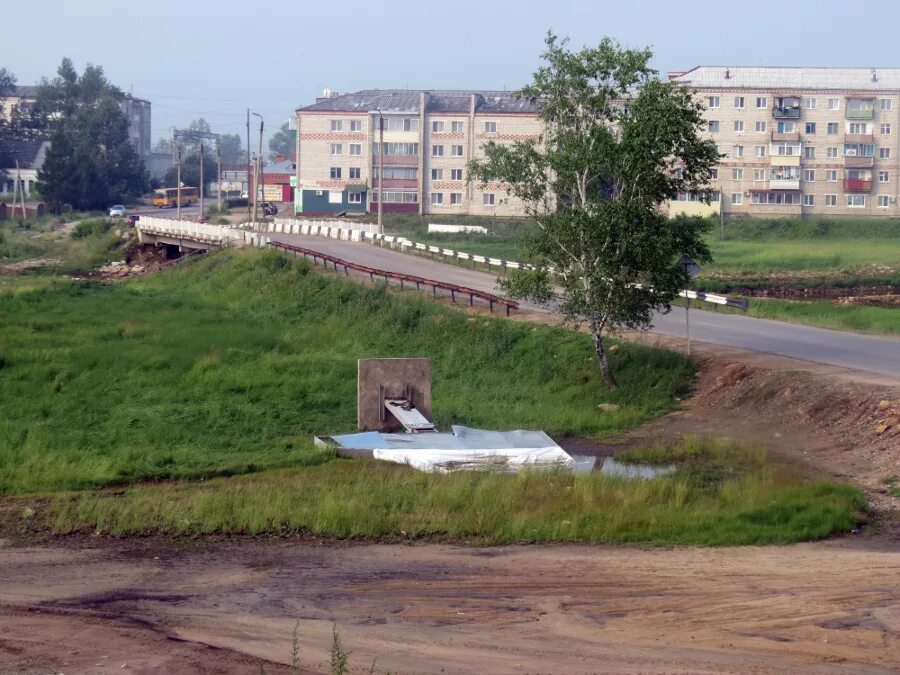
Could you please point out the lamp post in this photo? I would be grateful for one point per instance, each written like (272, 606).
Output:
(257, 185)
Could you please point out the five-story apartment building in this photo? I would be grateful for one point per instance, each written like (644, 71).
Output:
(800, 141)
(428, 139)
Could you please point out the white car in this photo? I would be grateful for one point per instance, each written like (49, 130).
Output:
(117, 211)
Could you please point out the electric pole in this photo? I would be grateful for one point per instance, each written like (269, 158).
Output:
(178, 183)
(219, 175)
(201, 180)
(248, 166)
(381, 171)
(259, 183)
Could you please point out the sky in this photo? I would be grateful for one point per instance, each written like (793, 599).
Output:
(194, 58)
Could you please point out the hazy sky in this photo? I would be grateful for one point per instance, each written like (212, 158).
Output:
(193, 58)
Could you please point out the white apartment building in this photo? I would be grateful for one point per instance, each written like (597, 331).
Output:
(800, 141)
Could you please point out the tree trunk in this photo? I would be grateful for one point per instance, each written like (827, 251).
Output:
(606, 373)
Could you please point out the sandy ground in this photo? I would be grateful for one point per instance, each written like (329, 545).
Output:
(151, 606)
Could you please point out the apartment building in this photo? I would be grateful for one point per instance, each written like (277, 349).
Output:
(800, 141)
(428, 139)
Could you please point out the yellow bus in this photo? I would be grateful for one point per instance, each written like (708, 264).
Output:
(168, 197)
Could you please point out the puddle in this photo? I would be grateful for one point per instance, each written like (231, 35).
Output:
(584, 463)
(613, 467)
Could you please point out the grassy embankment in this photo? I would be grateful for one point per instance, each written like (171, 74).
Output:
(758, 254)
(229, 364)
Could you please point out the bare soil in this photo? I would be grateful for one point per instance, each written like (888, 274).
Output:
(173, 605)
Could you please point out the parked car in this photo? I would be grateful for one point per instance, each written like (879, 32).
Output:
(270, 208)
(132, 220)
(117, 211)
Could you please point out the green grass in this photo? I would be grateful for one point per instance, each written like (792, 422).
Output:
(870, 257)
(752, 503)
(230, 363)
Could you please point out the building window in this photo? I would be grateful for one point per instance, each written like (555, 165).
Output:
(809, 200)
(831, 153)
(437, 197)
(456, 127)
(760, 151)
(336, 125)
(714, 174)
(437, 150)
(456, 174)
(354, 198)
(809, 175)
(886, 104)
(739, 126)
(858, 128)
(355, 149)
(398, 197)
(810, 103)
(886, 129)
(737, 198)
(809, 152)
(335, 173)
(883, 201)
(355, 125)
(856, 201)
(398, 173)
(831, 176)
(456, 198)
(337, 149)
(884, 177)
(335, 197)
(738, 101)
(398, 149)
(832, 127)
(437, 174)
(737, 151)
(761, 127)
(456, 150)
(762, 102)
(834, 104)
(490, 127)
(810, 127)
(759, 175)
(437, 126)
(830, 200)
(714, 126)
(884, 153)
(488, 199)
(712, 101)
(401, 124)
(786, 127)
(737, 174)
(354, 172)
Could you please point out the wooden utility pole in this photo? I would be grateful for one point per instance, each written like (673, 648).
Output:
(381, 171)
(178, 184)
(259, 183)
(219, 175)
(201, 180)
(248, 166)
(18, 192)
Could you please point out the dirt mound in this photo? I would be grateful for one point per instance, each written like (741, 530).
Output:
(884, 300)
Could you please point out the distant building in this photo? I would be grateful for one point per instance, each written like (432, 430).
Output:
(30, 155)
(800, 141)
(429, 138)
(137, 110)
(20, 95)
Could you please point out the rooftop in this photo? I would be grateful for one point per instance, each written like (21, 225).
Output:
(29, 153)
(436, 101)
(775, 77)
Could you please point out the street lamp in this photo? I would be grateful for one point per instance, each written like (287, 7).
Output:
(257, 185)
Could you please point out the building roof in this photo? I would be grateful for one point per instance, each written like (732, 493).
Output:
(29, 153)
(436, 101)
(779, 77)
(26, 91)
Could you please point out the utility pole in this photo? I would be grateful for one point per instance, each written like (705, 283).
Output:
(259, 183)
(17, 190)
(178, 184)
(381, 171)
(721, 216)
(201, 180)
(218, 175)
(248, 166)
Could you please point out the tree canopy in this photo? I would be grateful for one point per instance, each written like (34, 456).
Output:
(281, 143)
(231, 149)
(617, 143)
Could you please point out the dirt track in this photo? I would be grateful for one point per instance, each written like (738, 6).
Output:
(152, 607)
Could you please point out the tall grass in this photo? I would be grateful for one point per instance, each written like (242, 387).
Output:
(229, 364)
(719, 497)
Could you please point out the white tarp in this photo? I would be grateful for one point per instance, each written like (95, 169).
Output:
(464, 448)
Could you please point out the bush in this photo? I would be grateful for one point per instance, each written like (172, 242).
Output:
(92, 228)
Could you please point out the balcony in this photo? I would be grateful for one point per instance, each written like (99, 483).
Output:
(859, 162)
(786, 137)
(786, 108)
(790, 183)
(860, 139)
(860, 109)
(857, 185)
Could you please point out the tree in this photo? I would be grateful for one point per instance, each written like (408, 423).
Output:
(190, 168)
(281, 143)
(91, 162)
(617, 143)
(163, 146)
(231, 150)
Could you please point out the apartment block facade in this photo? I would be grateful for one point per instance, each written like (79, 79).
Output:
(428, 139)
(799, 141)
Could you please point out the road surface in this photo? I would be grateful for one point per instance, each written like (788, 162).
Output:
(875, 354)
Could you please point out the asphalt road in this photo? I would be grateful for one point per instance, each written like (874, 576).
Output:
(874, 354)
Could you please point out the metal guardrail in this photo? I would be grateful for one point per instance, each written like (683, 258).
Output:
(473, 293)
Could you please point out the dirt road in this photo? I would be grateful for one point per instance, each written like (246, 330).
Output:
(152, 606)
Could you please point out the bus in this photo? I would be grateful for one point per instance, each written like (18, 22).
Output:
(168, 197)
